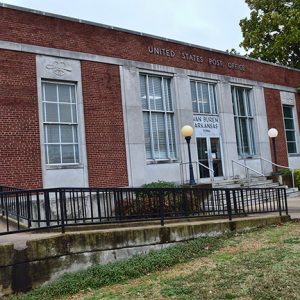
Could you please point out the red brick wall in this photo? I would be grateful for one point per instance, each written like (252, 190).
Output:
(275, 120)
(105, 140)
(25, 27)
(20, 163)
(19, 127)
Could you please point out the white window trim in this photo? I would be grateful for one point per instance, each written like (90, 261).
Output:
(252, 142)
(295, 121)
(45, 142)
(165, 112)
(204, 79)
(210, 83)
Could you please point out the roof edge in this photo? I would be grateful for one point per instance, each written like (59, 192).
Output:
(48, 14)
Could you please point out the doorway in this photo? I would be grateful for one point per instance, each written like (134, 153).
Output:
(209, 154)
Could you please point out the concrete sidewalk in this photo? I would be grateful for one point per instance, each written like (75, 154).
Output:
(294, 207)
(19, 239)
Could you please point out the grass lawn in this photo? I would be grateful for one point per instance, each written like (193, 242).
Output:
(262, 264)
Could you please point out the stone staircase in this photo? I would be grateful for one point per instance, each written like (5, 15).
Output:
(255, 182)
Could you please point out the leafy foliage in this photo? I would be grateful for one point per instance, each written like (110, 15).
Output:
(157, 198)
(233, 51)
(272, 32)
(160, 184)
(285, 172)
(297, 178)
(288, 172)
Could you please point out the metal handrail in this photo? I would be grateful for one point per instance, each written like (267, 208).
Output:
(182, 173)
(280, 166)
(211, 171)
(31, 210)
(247, 168)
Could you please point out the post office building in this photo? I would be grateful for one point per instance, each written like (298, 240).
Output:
(87, 105)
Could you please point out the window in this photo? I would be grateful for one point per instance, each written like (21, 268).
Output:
(243, 119)
(158, 116)
(203, 97)
(289, 129)
(60, 123)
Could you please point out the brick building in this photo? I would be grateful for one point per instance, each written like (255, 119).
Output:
(84, 104)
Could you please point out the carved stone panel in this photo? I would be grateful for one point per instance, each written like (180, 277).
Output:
(58, 68)
(287, 98)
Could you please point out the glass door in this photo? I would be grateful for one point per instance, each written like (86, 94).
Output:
(209, 155)
(203, 157)
(216, 157)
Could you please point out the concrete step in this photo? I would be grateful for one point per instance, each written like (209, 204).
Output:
(241, 180)
(256, 182)
(253, 184)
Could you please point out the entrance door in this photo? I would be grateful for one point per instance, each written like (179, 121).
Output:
(209, 155)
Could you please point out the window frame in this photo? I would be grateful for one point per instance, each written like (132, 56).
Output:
(212, 98)
(165, 112)
(294, 130)
(249, 116)
(75, 124)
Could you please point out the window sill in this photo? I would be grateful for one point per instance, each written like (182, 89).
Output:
(249, 157)
(60, 167)
(205, 114)
(158, 162)
(294, 155)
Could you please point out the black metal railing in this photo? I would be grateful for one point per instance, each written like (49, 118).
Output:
(8, 188)
(24, 210)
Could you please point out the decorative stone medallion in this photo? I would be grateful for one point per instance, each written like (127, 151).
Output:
(59, 68)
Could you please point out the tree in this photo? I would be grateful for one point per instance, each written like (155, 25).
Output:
(272, 32)
(233, 51)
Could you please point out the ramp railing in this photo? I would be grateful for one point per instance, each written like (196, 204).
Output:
(29, 210)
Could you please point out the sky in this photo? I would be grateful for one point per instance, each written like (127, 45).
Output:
(209, 23)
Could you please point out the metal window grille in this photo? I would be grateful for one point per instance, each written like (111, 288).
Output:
(60, 123)
(158, 117)
(244, 121)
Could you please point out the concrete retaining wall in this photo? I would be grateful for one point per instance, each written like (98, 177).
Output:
(46, 259)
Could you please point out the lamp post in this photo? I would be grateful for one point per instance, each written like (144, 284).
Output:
(187, 132)
(272, 133)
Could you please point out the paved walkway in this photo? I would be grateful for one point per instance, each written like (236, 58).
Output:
(20, 239)
(294, 207)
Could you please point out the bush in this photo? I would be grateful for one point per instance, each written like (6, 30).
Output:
(297, 178)
(160, 184)
(288, 172)
(285, 172)
(282, 172)
(159, 198)
(156, 185)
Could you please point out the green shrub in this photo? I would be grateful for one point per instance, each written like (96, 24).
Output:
(157, 197)
(288, 172)
(282, 172)
(285, 172)
(297, 178)
(160, 184)
(156, 185)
